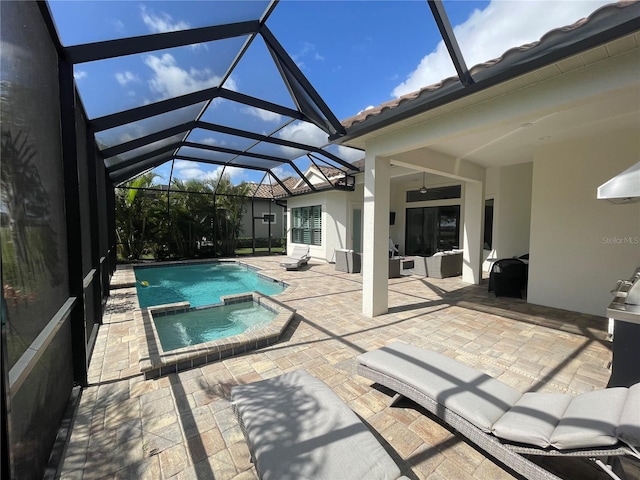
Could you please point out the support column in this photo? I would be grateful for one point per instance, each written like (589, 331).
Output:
(375, 245)
(473, 232)
(73, 222)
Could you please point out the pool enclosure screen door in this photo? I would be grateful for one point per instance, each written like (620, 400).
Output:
(432, 229)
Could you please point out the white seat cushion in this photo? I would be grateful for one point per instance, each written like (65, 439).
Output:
(591, 420)
(297, 428)
(473, 395)
(533, 418)
(629, 425)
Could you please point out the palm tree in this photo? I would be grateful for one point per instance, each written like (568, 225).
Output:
(230, 202)
(191, 207)
(133, 206)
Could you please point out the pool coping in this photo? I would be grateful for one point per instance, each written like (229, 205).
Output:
(155, 362)
(192, 261)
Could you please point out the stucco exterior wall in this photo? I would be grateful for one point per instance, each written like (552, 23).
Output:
(581, 245)
(261, 207)
(510, 188)
(335, 219)
(515, 209)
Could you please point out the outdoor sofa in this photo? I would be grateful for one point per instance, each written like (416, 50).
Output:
(298, 428)
(504, 422)
(299, 256)
(439, 265)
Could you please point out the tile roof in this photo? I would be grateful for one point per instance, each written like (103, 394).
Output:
(264, 190)
(335, 175)
(511, 56)
(330, 172)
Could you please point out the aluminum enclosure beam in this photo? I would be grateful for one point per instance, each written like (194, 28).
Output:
(165, 106)
(91, 52)
(442, 20)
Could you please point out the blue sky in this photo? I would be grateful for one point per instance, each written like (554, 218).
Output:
(357, 54)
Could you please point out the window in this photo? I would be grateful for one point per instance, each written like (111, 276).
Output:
(432, 229)
(268, 218)
(488, 224)
(306, 225)
(436, 193)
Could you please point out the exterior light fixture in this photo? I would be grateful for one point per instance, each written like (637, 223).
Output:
(423, 189)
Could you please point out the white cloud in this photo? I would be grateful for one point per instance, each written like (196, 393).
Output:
(212, 141)
(265, 115)
(366, 108)
(79, 74)
(118, 25)
(488, 33)
(182, 164)
(162, 22)
(236, 174)
(188, 173)
(350, 154)
(126, 77)
(302, 132)
(308, 51)
(170, 80)
(186, 170)
(230, 84)
(283, 172)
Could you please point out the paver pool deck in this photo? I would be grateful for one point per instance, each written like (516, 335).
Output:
(181, 426)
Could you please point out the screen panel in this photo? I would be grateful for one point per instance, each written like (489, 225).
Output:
(33, 235)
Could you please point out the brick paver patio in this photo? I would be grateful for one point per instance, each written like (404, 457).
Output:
(181, 426)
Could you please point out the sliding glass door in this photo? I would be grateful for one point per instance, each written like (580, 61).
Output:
(432, 229)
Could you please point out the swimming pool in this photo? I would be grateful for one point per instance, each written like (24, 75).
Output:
(193, 327)
(199, 284)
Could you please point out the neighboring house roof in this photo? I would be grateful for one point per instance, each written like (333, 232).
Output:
(608, 22)
(325, 173)
(335, 177)
(274, 190)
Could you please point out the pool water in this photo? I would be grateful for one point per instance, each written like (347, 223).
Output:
(199, 284)
(199, 326)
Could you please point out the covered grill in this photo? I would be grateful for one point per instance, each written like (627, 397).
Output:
(624, 310)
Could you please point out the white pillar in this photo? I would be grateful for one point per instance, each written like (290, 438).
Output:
(375, 263)
(473, 225)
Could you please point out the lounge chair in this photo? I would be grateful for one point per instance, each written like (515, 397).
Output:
(298, 428)
(299, 256)
(504, 422)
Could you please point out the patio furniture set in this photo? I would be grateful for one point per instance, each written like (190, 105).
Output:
(439, 265)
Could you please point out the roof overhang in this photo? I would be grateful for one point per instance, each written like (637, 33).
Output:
(604, 26)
